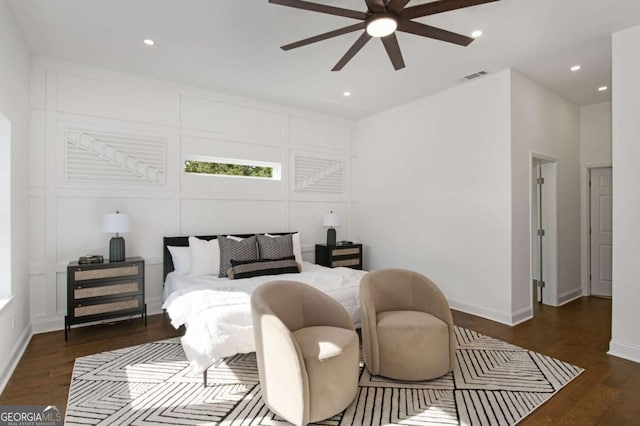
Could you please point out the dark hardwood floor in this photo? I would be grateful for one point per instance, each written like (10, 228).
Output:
(44, 372)
(607, 393)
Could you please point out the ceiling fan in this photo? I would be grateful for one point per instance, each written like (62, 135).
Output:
(382, 19)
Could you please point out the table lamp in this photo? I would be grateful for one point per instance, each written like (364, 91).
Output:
(116, 223)
(331, 219)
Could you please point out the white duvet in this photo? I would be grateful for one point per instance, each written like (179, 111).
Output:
(217, 314)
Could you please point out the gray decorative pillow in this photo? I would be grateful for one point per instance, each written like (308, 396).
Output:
(275, 247)
(236, 250)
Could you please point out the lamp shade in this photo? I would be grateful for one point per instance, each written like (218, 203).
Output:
(116, 223)
(331, 219)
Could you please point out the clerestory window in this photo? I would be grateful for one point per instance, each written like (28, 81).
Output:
(232, 167)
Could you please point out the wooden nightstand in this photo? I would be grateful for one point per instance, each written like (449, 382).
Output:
(349, 255)
(99, 291)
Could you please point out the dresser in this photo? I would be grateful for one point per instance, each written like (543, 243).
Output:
(101, 291)
(349, 255)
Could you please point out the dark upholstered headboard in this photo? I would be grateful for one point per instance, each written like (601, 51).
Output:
(167, 263)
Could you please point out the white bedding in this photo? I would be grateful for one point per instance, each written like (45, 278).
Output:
(217, 314)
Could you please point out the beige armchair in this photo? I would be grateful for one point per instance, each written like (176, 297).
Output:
(307, 351)
(407, 327)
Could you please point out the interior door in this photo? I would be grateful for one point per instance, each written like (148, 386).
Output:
(600, 229)
(535, 225)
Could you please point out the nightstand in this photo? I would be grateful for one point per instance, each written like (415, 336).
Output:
(100, 291)
(349, 255)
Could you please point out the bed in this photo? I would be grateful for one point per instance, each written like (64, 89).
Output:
(216, 312)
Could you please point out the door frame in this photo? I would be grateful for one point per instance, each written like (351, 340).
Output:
(585, 219)
(550, 255)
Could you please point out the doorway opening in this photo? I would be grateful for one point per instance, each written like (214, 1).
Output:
(600, 231)
(544, 231)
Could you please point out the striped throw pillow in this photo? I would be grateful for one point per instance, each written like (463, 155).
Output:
(257, 267)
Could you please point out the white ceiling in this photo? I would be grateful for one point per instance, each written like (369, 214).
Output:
(232, 46)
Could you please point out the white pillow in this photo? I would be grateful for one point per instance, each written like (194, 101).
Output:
(297, 250)
(205, 257)
(181, 257)
(234, 238)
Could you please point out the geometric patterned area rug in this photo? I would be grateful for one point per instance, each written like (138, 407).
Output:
(494, 383)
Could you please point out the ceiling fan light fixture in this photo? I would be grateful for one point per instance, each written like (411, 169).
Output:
(382, 25)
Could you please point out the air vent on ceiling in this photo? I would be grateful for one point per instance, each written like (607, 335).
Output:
(475, 75)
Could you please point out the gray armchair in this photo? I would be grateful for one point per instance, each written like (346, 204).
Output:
(407, 327)
(307, 351)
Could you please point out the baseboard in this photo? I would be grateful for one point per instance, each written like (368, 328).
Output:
(154, 307)
(47, 324)
(570, 296)
(624, 350)
(12, 363)
(518, 317)
(508, 319)
(56, 323)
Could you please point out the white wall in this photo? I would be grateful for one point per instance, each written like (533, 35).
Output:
(595, 151)
(546, 125)
(595, 134)
(453, 198)
(625, 339)
(15, 329)
(66, 213)
(433, 192)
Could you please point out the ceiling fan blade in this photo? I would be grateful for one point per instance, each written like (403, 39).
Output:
(355, 48)
(439, 7)
(315, 7)
(434, 33)
(393, 50)
(375, 6)
(324, 36)
(396, 6)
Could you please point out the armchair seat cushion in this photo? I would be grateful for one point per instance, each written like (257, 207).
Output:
(413, 345)
(331, 356)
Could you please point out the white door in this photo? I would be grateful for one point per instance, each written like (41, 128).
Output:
(600, 227)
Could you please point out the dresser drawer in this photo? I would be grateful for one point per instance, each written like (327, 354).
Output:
(115, 288)
(345, 251)
(345, 262)
(120, 305)
(81, 274)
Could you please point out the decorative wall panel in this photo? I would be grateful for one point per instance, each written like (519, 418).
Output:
(94, 156)
(316, 174)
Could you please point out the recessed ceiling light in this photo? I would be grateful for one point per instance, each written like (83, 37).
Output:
(149, 42)
(603, 88)
(576, 68)
(476, 34)
(347, 93)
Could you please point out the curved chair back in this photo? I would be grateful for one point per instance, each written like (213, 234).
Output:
(299, 305)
